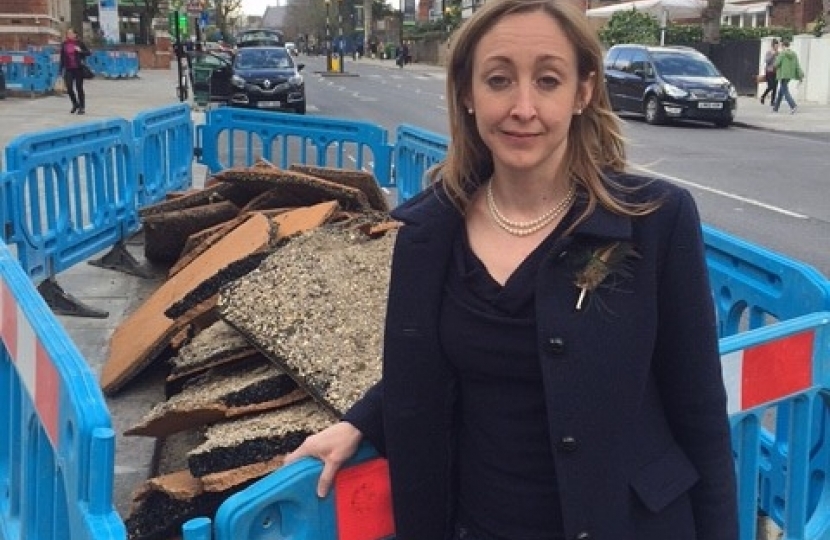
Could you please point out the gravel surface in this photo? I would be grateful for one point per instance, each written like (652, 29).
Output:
(316, 306)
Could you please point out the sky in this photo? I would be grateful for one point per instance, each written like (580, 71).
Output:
(256, 7)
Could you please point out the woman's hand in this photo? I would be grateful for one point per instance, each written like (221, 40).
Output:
(333, 446)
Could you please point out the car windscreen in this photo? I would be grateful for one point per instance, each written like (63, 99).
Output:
(672, 64)
(263, 59)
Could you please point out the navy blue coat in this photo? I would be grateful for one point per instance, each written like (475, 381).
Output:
(635, 397)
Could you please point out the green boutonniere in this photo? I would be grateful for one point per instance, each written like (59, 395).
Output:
(611, 261)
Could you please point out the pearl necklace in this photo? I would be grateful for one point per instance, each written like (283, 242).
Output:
(525, 228)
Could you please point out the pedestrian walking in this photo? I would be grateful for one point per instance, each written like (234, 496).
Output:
(550, 361)
(787, 68)
(769, 73)
(72, 57)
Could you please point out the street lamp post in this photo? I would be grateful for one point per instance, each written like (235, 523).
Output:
(340, 33)
(328, 37)
(181, 89)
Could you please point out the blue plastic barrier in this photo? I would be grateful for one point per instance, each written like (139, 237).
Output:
(285, 505)
(242, 136)
(30, 71)
(416, 150)
(57, 448)
(754, 287)
(75, 194)
(782, 469)
(113, 64)
(165, 150)
(6, 206)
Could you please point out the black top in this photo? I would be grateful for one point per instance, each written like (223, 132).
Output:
(507, 481)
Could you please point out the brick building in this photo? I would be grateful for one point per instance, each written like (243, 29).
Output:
(26, 23)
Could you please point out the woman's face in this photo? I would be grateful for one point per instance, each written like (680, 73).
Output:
(524, 93)
(70, 34)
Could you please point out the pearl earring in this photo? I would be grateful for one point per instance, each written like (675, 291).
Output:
(470, 110)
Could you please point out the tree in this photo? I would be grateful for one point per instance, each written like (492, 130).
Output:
(76, 15)
(710, 21)
(151, 10)
(631, 26)
(223, 10)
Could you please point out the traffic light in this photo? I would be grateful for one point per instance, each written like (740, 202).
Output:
(178, 20)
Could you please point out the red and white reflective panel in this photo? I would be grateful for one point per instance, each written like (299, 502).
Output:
(363, 502)
(31, 361)
(16, 58)
(768, 372)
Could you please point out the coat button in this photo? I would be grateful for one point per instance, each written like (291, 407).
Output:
(568, 444)
(556, 345)
(584, 535)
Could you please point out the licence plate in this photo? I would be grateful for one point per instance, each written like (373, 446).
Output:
(269, 104)
(709, 105)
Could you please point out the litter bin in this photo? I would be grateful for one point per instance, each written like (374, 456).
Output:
(335, 63)
(202, 73)
(2, 82)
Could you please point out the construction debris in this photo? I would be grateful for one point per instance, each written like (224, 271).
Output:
(270, 322)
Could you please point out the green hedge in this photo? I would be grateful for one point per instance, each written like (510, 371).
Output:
(638, 27)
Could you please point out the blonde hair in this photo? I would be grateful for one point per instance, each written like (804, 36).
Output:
(596, 144)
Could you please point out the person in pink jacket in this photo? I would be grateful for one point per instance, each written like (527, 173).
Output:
(72, 56)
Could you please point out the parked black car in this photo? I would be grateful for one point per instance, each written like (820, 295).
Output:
(665, 83)
(267, 78)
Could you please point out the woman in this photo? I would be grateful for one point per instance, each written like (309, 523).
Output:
(551, 368)
(73, 53)
(769, 72)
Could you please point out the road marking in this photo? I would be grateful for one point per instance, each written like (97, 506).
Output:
(726, 194)
(357, 95)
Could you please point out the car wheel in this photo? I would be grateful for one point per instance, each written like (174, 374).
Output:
(300, 109)
(723, 122)
(654, 112)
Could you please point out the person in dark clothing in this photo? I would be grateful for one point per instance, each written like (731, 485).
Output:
(769, 72)
(73, 53)
(550, 360)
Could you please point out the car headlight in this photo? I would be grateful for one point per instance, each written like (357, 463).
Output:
(236, 80)
(295, 80)
(733, 93)
(674, 91)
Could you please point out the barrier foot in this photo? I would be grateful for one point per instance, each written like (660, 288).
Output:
(64, 303)
(137, 238)
(122, 260)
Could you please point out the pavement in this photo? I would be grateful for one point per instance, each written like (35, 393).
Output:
(119, 294)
